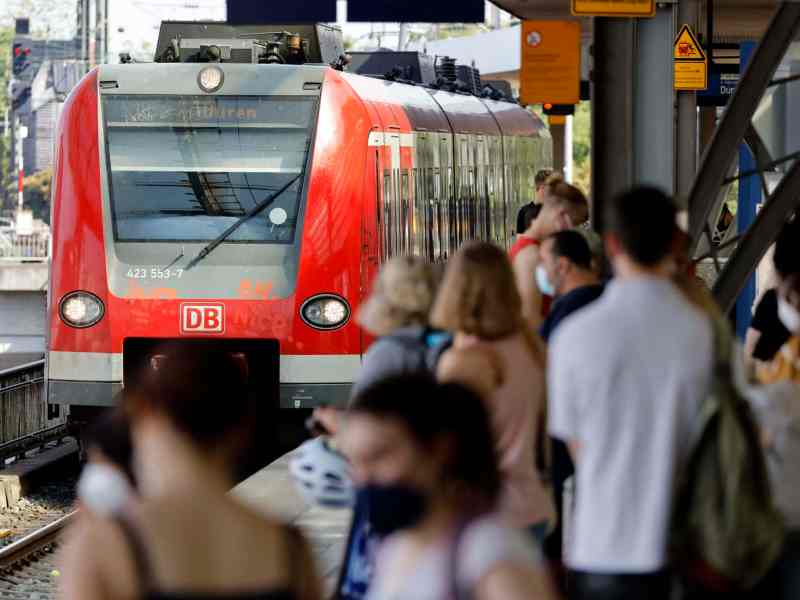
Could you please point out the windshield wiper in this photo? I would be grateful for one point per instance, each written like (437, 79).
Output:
(253, 212)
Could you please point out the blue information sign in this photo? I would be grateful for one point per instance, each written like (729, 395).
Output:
(253, 12)
(417, 11)
(722, 81)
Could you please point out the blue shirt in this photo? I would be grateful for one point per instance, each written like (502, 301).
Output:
(567, 304)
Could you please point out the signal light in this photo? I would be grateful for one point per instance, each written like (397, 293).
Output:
(558, 109)
(21, 55)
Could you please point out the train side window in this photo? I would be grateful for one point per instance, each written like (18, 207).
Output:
(387, 216)
(406, 224)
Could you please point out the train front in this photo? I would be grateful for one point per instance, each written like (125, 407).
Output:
(204, 204)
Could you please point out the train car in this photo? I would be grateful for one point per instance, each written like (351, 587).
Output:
(249, 202)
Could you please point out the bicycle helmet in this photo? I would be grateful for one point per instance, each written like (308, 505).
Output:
(321, 474)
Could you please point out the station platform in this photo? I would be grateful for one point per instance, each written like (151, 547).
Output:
(272, 492)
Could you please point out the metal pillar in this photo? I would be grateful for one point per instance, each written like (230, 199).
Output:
(736, 119)
(750, 158)
(633, 107)
(614, 48)
(558, 131)
(687, 122)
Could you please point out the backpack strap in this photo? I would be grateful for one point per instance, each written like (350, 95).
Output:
(141, 561)
(456, 591)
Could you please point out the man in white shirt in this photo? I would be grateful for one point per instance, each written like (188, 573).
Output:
(627, 375)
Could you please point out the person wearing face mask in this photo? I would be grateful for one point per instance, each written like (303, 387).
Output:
(563, 206)
(565, 273)
(766, 334)
(107, 483)
(785, 366)
(185, 536)
(423, 459)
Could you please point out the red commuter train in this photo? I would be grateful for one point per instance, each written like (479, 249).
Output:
(250, 204)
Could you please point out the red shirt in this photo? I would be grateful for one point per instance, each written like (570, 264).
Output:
(520, 244)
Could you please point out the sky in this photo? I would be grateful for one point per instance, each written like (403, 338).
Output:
(133, 24)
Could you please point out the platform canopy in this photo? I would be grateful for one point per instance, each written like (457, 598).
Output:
(734, 20)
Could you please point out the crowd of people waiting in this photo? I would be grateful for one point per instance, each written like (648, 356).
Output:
(524, 425)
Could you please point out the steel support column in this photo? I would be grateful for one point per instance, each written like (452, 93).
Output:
(614, 50)
(686, 128)
(736, 120)
(654, 101)
(758, 238)
(633, 106)
(558, 133)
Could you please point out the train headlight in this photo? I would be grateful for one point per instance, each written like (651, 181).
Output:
(81, 309)
(210, 79)
(325, 312)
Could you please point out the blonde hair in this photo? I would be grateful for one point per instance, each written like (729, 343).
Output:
(563, 194)
(479, 294)
(402, 296)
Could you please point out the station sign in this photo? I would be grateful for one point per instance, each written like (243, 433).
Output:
(722, 81)
(690, 62)
(613, 8)
(551, 62)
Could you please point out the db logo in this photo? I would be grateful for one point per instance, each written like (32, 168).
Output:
(202, 318)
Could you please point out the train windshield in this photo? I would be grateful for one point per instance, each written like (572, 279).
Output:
(185, 168)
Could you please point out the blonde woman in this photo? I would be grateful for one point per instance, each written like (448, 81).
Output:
(479, 303)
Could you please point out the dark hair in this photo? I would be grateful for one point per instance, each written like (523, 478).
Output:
(787, 249)
(111, 435)
(527, 214)
(573, 246)
(203, 392)
(432, 411)
(643, 219)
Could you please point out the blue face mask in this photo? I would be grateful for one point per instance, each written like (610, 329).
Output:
(391, 507)
(543, 282)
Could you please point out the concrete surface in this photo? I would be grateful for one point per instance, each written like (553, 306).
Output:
(24, 475)
(19, 276)
(272, 492)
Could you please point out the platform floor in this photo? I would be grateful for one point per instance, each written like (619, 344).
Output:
(272, 492)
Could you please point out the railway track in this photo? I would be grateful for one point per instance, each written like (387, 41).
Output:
(30, 547)
(27, 566)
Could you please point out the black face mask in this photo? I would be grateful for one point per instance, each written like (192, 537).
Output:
(391, 507)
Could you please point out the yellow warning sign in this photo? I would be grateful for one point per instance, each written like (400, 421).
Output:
(690, 62)
(613, 8)
(686, 46)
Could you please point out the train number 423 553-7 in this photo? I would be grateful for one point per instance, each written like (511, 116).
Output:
(154, 273)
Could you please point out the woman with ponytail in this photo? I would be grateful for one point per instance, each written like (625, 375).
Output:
(480, 304)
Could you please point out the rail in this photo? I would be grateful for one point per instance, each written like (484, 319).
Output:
(28, 548)
(23, 406)
(16, 448)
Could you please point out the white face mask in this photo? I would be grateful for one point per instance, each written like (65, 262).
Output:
(103, 489)
(789, 315)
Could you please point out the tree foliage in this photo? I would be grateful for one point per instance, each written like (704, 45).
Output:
(581, 147)
(6, 35)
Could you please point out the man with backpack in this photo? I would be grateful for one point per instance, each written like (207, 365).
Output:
(627, 378)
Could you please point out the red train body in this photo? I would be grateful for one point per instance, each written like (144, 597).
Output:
(150, 167)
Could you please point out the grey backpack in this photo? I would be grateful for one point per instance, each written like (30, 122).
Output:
(726, 532)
